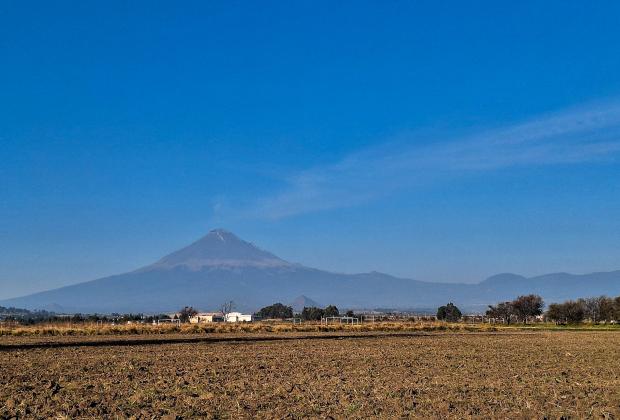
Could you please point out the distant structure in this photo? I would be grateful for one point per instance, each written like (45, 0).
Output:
(161, 321)
(238, 317)
(206, 317)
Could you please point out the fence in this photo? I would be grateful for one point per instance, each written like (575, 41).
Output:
(340, 320)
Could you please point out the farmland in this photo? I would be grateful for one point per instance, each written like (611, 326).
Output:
(91, 329)
(446, 374)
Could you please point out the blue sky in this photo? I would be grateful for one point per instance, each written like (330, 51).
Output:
(439, 141)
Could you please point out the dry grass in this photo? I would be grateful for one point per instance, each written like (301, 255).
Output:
(82, 329)
(85, 329)
(497, 375)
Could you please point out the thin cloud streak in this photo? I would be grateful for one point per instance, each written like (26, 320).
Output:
(568, 137)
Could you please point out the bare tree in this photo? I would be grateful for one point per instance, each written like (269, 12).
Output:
(592, 308)
(528, 306)
(227, 307)
(186, 313)
(606, 309)
(569, 312)
(503, 311)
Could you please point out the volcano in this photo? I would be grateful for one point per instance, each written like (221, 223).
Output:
(221, 267)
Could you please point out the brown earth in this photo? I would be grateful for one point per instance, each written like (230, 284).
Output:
(498, 375)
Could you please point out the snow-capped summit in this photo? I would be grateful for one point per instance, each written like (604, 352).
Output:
(219, 248)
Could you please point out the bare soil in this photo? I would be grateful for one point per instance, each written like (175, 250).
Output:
(447, 375)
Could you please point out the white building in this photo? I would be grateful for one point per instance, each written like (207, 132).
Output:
(205, 317)
(238, 317)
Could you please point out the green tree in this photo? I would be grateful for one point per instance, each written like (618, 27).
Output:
(276, 311)
(331, 310)
(312, 313)
(449, 313)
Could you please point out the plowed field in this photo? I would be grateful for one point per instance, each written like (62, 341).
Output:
(481, 375)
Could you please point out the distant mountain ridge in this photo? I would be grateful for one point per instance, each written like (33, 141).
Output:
(221, 267)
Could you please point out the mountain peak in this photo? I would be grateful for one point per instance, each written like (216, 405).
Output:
(219, 248)
(300, 302)
(219, 232)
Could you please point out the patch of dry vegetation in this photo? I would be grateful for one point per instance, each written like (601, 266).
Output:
(515, 375)
(255, 327)
(86, 329)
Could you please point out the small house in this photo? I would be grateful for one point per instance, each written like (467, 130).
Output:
(206, 317)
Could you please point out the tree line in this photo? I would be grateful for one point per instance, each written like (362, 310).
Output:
(524, 308)
(275, 311)
(595, 309)
(521, 309)
(308, 313)
(27, 317)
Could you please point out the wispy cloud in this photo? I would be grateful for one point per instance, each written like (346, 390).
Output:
(572, 136)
